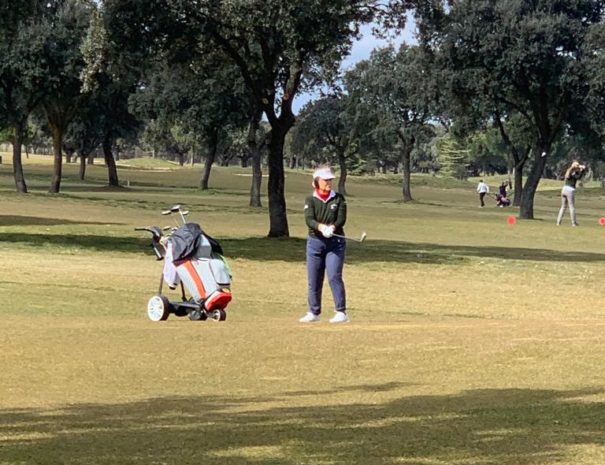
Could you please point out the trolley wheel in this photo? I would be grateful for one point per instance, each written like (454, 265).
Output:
(218, 315)
(197, 315)
(158, 308)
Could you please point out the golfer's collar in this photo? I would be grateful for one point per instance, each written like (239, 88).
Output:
(330, 197)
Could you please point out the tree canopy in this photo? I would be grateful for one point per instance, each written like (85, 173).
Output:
(515, 87)
(525, 57)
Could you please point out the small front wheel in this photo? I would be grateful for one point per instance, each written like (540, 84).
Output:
(158, 308)
(218, 315)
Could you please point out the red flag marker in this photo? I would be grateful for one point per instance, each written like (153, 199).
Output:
(511, 219)
(602, 221)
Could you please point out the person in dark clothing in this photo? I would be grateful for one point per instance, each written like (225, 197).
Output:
(572, 175)
(502, 188)
(502, 197)
(325, 215)
(502, 201)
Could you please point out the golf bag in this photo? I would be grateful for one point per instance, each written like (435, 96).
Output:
(195, 260)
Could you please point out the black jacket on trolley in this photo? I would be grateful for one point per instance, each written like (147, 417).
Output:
(187, 239)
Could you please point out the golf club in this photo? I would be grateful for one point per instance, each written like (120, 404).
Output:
(361, 239)
(177, 209)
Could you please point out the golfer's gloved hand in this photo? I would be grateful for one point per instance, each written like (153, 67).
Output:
(326, 231)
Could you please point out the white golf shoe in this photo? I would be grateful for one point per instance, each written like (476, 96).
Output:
(340, 317)
(309, 318)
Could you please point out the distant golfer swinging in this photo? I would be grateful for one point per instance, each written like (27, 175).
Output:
(325, 215)
(572, 175)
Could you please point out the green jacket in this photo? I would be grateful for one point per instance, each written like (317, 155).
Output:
(334, 211)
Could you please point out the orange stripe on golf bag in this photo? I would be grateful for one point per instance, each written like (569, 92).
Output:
(195, 278)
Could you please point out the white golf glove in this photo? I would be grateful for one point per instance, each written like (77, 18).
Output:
(326, 231)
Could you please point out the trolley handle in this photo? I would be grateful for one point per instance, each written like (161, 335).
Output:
(158, 248)
(155, 231)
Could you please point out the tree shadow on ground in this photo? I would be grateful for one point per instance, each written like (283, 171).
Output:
(17, 220)
(293, 249)
(488, 427)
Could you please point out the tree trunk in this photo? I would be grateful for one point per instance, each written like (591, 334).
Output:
(210, 157)
(257, 180)
(91, 159)
(82, 170)
(531, 183)
(406, 184)
(57, 136)
(112, 170)
(278, 218)
(257, 172)
(342, 180)
(407, 144)
(519, 164)
(518, 184)
(518, 161)
(17, 164)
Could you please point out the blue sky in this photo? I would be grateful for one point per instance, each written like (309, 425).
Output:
(361, 50)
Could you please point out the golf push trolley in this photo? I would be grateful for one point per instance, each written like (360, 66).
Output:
(193, 260)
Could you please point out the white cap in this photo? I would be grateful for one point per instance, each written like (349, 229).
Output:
(324, 173)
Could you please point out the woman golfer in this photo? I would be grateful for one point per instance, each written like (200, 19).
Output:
(325, 215)
(573, 173)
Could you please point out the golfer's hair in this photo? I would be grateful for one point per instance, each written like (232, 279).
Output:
(575, 165)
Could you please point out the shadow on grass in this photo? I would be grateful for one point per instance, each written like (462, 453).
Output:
(293, 249)
(488, 427)
(16, 220)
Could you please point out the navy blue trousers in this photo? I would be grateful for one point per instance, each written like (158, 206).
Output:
(325, 255)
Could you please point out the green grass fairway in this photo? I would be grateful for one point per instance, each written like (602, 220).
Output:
(472, 342)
